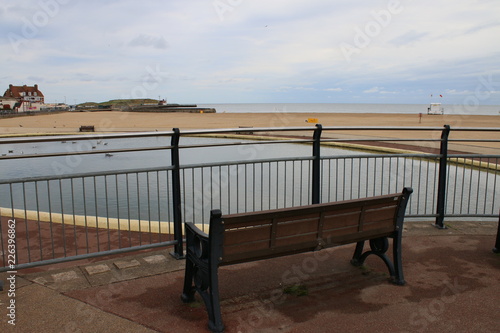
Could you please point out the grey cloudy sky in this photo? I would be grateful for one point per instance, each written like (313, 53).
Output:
(230, 51)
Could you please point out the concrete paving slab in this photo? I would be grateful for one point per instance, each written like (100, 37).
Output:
(155, 259)
(97, 269)
(60, 280)
(65, 276)
(123, 264)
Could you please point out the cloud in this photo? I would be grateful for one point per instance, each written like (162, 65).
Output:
(157, 42)
(36, 79)
(408, 38)
(371, 90)
(259, 51)
(456, 92)
(379, 90)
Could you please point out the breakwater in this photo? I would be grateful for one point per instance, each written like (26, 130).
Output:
(187, 108)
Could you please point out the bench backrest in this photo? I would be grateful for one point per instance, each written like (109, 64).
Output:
(272, 233)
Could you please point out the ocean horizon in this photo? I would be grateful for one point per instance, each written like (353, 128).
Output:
(449, 109)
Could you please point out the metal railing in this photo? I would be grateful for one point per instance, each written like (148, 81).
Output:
(67, 207)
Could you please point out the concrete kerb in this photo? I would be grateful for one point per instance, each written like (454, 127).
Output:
(162, 227)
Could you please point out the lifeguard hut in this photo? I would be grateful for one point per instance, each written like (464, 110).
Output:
(435, 108)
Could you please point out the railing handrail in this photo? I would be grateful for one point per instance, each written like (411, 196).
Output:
(69, 137)
(76, 137)
(18, 140)
(84, 175)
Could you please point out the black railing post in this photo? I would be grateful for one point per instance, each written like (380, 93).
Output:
(316, 165)
(176, 195)
(443, 166)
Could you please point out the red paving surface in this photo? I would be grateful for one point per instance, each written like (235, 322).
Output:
(36, 241)
(452, 286)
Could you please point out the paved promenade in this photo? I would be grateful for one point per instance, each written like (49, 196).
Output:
(452, 276)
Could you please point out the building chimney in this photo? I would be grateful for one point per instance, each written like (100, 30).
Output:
(36, 87)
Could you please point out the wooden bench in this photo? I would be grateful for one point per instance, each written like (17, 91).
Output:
(89, 128)
(239, 238)
(249, 132)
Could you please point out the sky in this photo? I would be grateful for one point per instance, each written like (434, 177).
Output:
(254, 51)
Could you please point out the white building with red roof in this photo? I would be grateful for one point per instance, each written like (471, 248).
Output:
(28, 98)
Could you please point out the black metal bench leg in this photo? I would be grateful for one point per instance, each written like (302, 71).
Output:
(207, 286)
(214, 315)
(357, 256)
(379, 248)
(188, 291)
(398, 262)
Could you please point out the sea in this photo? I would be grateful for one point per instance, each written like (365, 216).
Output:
(459, 109)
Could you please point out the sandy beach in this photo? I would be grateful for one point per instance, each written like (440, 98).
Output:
(112, 121)
(117, 122)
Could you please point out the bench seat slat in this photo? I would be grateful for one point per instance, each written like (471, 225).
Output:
(345, 219)
(245, 248)
(337, 239)
(296, 239)
(294, 227)
(235, 223)
(328, 233)
(297, 218)
(376, 214)
(258, 254)
(378, 224)
(238, 236)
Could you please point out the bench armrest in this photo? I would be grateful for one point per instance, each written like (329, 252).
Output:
(191, 227)
(197, 243)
